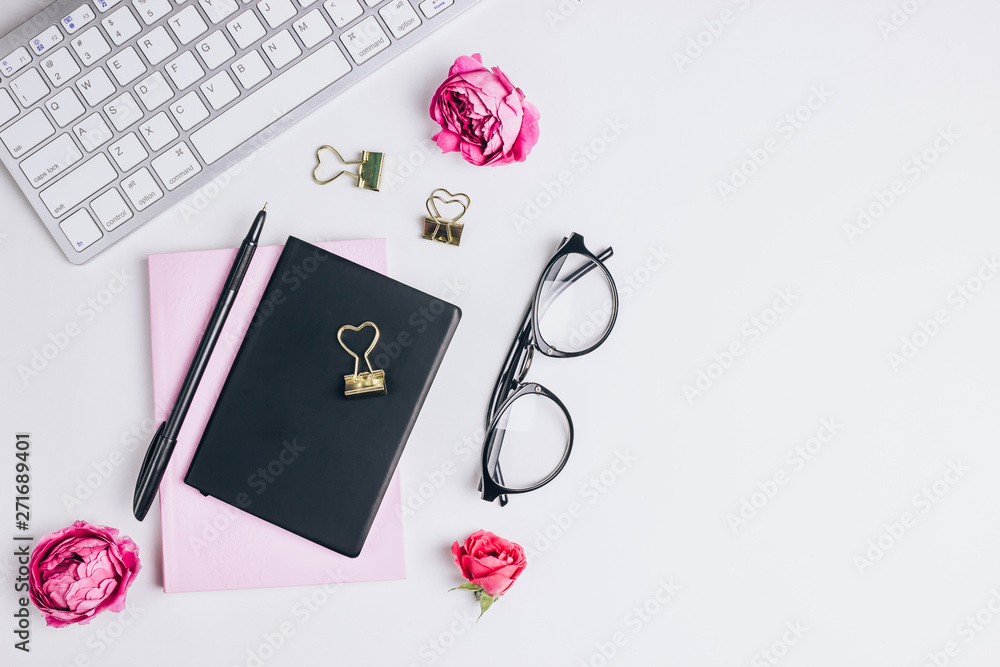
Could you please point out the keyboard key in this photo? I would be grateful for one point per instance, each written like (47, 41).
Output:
(157, 45)
(47, 39)
(15, 61)
(250, 69)
(126, 66)
(105, 5)
(176, 166)
(128, 152)
(8, 107)
(216, 10)
(312, 28)
(400, 17)
(27, 133)
(246, 29)
(29, 88)
(96, 86)
(151, 11)
(281, 49)
(187, 24)
(78, 18)
(220, 90)
(80, 229)
(60, 67)
(184, 70)
(78, 185)
(121, 26)
(123, 111)
(153, 91)
(92, 132)
(51, 160)
(90, 46)
(249, 116)
(158, 132)
(276, 12)
(65, 107)
(432, 8)
(111, 209)
(189, 111)
(365, 39)
(343, 11)
(215, 49)
(141, 189)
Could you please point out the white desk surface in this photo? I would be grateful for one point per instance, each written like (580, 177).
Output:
(883, 91)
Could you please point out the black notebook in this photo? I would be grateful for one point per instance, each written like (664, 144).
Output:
(284, 443)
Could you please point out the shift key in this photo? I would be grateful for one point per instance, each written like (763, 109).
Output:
(80, 184)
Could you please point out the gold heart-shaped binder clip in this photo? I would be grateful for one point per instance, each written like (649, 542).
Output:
(438, 228)
(369, 174)
(361, 384)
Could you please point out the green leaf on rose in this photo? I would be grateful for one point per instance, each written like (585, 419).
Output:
(467, 586)
(485, 601)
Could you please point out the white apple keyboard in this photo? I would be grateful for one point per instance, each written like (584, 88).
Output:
(111, 111)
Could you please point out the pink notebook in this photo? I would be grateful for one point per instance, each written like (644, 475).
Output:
(207, 544)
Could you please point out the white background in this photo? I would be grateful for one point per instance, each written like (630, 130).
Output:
(682, 129)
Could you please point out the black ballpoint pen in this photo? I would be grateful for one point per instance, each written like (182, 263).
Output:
(162, 446)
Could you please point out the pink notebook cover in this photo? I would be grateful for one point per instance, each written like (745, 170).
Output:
(207, 544)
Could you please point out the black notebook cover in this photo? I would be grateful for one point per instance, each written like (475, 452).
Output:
(284, 443)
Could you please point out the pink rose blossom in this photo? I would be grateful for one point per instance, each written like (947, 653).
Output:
(483, 115)
(489, 562)
(78, 572)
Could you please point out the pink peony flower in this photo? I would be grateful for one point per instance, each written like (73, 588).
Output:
(483, 115)
(78, 572)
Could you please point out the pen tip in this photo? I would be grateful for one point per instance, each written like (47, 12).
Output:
(265, 207)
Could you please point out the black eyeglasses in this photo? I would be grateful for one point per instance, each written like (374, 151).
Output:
(529, 433)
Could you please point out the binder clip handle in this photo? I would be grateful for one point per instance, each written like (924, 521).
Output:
(369, 175)
(452, 228)
(371, 382)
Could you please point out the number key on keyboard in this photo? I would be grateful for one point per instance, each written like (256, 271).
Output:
(27, 133)
(121, 26)
(60, 67)
(29, 88)
(151, 11)
(90, 46)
